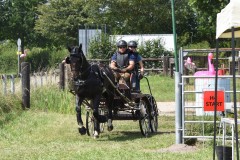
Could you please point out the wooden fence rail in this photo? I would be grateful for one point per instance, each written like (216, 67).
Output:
(167, 64)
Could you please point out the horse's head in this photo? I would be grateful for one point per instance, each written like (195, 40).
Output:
(77, 60)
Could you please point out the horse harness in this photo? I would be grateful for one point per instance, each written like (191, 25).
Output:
(93, 75)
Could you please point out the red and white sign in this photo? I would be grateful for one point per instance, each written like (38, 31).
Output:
(209, 100)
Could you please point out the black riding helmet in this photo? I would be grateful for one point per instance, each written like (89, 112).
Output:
(121, 43)
(132, 44)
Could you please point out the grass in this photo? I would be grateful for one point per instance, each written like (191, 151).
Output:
(46, 135)
(10, 107)
(49, 130)
(162, 87)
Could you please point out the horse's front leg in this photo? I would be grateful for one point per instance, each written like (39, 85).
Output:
(81, 129)
(110, 115)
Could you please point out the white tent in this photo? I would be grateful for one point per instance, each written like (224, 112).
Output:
(228, 26)
(229, 17)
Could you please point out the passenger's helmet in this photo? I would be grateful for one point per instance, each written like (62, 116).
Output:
(121, 43)
(132, 44)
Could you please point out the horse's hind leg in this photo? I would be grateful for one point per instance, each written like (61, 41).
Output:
(82, 130)
(109, 102)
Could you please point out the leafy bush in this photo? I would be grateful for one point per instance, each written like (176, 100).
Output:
(43, 58)
(200, 45)
(101, 47)
(153, 49)
(39, 58)
(8, 57)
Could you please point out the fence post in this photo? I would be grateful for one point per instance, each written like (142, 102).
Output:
(4, 79)
(238, 65)
(171, 63)
(62, 76)
(165, 65)
(186, 72)
(12, 84)
(41, 79)
(35, 80)
(25, 70)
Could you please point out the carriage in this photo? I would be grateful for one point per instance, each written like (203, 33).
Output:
(107, 100)
(140, 107)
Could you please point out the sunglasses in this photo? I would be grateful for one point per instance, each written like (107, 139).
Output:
(122, 47)
(132, 47)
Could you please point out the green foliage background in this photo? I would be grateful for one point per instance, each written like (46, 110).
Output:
(8, 57)
(47, 27)
(39, 58)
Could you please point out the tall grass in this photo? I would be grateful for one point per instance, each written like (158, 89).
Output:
(10, 108)
(51, 98)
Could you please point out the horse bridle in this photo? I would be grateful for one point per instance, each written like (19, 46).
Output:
(81, 70)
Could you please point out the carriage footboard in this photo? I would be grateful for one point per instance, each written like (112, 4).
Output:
(127, 100)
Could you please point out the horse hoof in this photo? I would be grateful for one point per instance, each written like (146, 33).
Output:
(110, 128)
(95, 135)
(82, 130)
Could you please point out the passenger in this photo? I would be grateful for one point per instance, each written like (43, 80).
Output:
(132, 46)
(122, 62)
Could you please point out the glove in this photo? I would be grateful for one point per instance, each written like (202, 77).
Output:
(123, 70)
(140, 76)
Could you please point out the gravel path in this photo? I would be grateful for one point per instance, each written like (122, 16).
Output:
(166, 108)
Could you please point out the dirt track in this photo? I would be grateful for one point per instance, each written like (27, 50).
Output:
(166, 108)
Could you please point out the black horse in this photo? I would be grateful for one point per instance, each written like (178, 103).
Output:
(91, 82)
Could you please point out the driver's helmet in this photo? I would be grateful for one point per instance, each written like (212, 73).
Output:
(121, 43)
(132, 44)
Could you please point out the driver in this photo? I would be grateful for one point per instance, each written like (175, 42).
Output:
(122, 62)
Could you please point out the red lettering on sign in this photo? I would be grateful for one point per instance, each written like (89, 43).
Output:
(209, 100)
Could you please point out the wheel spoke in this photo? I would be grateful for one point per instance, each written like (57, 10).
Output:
(144, 121)
(90, 123)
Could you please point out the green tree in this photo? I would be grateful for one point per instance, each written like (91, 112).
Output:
(143, 17)
(206, 15)
(18, 20)
(129, 16)
(60, 20)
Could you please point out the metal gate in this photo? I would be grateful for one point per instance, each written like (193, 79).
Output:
(197, 123)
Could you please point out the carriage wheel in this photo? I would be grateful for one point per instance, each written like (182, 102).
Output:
(154, 115)
(144, 121)
(90, 123)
